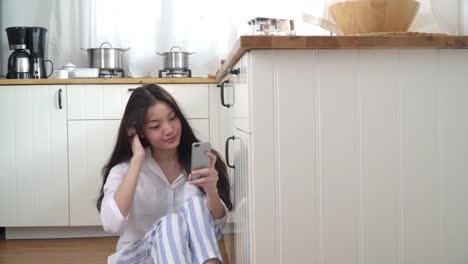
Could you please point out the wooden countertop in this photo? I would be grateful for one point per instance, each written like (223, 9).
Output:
(370, 41)
(194, 80)
(246, 43)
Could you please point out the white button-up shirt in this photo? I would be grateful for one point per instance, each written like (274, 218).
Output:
(154, 198)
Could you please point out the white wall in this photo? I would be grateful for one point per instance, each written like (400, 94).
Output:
(205, 28)
(38, 13)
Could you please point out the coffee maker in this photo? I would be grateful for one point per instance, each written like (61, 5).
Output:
(18, 62)
(36, 44)
(24, 65)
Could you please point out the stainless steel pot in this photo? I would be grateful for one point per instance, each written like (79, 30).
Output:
(106, 58)
(176, 60)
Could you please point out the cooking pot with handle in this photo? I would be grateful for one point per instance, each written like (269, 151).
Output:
(106, 58)
(176, 60)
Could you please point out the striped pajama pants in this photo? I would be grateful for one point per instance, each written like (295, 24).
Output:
(186, 237)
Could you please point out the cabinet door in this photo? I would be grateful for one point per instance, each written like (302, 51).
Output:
(108, 101)
(241, 215)
(241, 93)
(94, 119)
(90, 143)
(193, 99)
(234, 98)
(33, 156)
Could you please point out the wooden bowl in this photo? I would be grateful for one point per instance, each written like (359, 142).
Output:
(370, 16)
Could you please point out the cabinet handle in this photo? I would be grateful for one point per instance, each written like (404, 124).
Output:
(234, 71)
(60, 98)
(227, 152)
(221, 85)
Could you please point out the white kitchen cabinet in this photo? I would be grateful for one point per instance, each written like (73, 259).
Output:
(88, 102)
(92, 131)
(237, 95)
(356, 156)
(51, 157)
(240, 217)
(90, 144)
(33, 156)
(253, 216)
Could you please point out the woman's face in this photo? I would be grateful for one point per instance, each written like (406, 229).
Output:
(162, 127)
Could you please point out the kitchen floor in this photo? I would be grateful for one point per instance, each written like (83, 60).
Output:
(74, 250)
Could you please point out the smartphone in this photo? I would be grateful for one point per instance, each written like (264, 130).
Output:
(199, 158)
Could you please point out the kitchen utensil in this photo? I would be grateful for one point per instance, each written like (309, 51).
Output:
(17, 37)
(36, 37)
(86, 73)
(271, 26)
(38, 68)
(366, 16)
(105, 58)
(70, 68)
(61, 74)
(321, 22)
(18, 65)
(18, 61)
(176, 60)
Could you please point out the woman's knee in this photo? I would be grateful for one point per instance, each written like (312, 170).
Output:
(173, 222)
(195, 201)
(196, 207)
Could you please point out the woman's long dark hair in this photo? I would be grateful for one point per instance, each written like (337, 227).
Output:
(134, 116)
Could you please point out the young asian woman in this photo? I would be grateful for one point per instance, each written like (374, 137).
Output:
(148, 196)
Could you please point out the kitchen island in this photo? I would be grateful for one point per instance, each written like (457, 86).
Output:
(364, 41)
(349, 149)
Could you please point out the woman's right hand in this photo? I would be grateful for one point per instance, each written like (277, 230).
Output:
(137, 148)
(125, 193)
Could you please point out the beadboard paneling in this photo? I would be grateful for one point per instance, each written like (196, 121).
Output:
(379, 199)
(298, 189)
(8, 183)
(35, 168)
(337, 121)
(417, 165)
(371, 154)
(453, 154)
(90, 146)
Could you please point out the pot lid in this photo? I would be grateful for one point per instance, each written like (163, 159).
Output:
(180, 51)
(69, 66)
(110, 47)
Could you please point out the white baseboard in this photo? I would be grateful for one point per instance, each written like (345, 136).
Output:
(54, 232)
(67, 232)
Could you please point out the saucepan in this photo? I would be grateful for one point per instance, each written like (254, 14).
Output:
(106, 58)
(176, 60)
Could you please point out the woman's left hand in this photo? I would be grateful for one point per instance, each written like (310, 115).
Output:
(208, 183)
